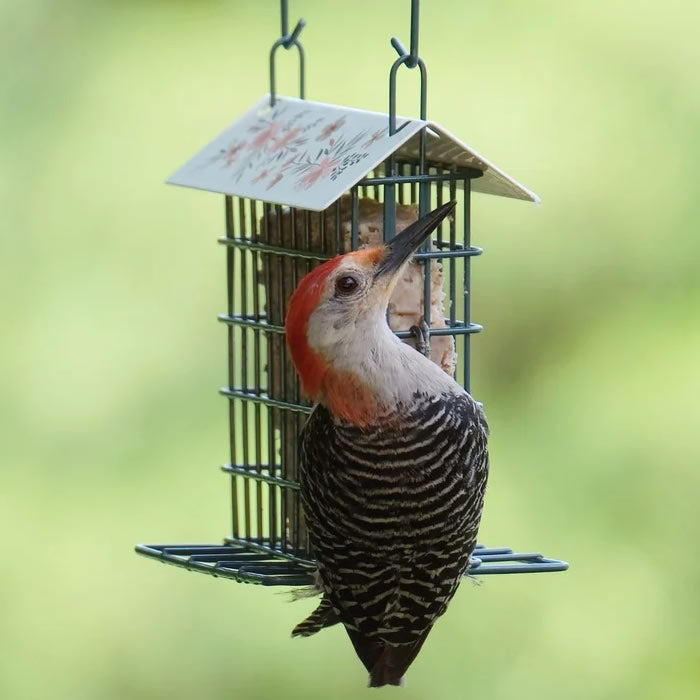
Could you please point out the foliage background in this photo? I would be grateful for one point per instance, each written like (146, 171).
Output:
(111, 356)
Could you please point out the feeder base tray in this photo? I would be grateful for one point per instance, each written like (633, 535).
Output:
(251, 562)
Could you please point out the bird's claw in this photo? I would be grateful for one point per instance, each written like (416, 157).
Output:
(421, 332)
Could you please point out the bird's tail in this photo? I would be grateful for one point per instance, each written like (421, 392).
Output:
(386, 664)
(385, 674)
(393, 664)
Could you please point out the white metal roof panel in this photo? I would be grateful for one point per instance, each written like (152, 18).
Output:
(444, 148)
(307, 154)
(300, 153)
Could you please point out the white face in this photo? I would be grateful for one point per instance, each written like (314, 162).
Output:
(352, 309)
(349, 328)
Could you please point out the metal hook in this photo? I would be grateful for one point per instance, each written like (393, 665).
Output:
(295, 34)
(403, 60)
(413, 58)
(284, 14)
(410, 59)
(287, 41)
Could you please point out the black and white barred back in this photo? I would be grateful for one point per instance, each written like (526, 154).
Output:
(393, 513)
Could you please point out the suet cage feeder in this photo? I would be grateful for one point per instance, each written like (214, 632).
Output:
(302, 182)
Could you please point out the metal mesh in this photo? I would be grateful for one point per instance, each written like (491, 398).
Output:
(269, 249)
(252, 564)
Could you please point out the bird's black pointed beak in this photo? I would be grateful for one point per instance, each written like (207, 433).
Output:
(402, 247)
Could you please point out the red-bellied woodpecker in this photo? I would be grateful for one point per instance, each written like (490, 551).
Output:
(393, 459)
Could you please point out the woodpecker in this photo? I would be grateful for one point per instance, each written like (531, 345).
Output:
(393, 459)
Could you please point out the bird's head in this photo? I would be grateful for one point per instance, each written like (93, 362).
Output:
(340, 306)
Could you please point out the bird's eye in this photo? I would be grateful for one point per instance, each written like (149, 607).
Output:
(346, 285)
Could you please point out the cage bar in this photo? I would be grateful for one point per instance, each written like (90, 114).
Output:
(246, 563)
(272, 254)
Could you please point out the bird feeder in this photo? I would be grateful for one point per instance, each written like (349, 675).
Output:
(302, 182)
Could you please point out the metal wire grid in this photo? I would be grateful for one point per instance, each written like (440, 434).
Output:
(268, 250)
(246, 564)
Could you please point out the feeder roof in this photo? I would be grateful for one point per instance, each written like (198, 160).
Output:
(307, 154)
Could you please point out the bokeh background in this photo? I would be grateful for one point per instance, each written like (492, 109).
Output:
(111, 356)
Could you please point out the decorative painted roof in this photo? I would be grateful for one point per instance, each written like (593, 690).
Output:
(307, 154)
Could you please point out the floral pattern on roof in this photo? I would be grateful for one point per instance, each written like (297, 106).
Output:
(297, 152)
(307, 154)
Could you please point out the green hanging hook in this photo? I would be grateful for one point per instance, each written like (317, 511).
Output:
(410, 59)
(288, 40)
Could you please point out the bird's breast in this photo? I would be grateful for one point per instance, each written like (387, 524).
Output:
(402, 482)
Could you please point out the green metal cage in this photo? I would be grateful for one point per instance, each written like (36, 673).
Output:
(269, 248)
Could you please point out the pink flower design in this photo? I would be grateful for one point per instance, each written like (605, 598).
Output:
(285, 139)
(274, 181)
(374, 138)
(260, 177)
(330, 129)
(231, 152)
(318, 170)
(264, 137)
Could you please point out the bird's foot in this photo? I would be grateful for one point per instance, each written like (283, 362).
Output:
(421, 332)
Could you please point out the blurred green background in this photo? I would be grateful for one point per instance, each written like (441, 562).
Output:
(111, 355)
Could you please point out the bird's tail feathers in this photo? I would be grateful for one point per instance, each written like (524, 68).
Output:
(392, 664)
(367, 649)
